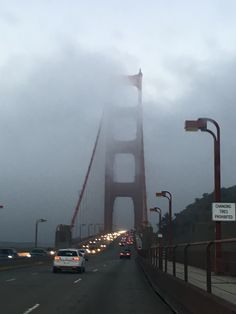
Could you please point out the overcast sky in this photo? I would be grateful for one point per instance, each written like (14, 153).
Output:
(57, 60)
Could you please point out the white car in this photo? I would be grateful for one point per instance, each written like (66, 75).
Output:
(68, 259)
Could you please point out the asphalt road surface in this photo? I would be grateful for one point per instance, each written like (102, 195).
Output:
(109, 286)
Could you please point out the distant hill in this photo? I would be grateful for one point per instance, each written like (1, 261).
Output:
(194, 223)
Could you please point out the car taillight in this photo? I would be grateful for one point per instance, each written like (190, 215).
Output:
(76, 258)
(121, 254)
(57, 258)
(127, 253)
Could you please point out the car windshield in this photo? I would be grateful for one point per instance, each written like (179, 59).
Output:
(37, 251)
(67, 253)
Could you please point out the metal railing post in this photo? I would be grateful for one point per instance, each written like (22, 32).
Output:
(173, 260)
(156, 257)
(166, 257)
(186, 262)
(152, 256)
(208, 266)
(161, 258)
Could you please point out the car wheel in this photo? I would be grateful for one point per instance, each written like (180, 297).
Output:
(55, 270)
(79, 270)
(84, 269)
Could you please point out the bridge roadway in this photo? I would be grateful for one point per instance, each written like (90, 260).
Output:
(109, 285)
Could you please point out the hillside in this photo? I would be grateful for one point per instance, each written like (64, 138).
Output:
(194, 223)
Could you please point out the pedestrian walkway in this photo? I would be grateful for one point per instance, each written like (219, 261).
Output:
(222, 286)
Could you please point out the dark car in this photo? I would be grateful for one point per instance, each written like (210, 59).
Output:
(8, 253)
(125, 253)
(38, 252)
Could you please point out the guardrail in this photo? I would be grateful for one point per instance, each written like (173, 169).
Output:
(203, 256)
(186, 277)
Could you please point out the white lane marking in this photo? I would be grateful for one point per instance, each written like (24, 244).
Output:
(31, 309)
(95, 270)
(12, 279)
(76, 281)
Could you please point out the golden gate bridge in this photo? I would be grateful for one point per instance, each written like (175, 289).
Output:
(98, 197)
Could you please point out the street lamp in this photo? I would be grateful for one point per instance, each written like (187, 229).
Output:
(97, 225)
(100, 227)
(80, 230)
(168, 195)
(157, 210)
(201, 124)
(36, 230)
(89, 225)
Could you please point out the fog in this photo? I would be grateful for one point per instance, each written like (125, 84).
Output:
(57, 70)
(49, 121)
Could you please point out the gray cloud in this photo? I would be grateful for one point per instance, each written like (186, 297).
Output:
(183, 161)
(49, 121)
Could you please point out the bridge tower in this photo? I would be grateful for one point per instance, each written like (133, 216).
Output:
(135, 190)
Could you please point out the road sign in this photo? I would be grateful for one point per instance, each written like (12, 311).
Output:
(223, 212)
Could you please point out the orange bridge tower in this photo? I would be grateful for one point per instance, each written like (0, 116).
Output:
(135, 190)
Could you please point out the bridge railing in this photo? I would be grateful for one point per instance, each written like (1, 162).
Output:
(201, 255)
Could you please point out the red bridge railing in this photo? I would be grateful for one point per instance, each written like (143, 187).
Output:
(198, 254)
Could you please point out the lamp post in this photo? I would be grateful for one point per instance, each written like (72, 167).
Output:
(94, 228)
(201, 124)
(89, 229)
(80, 230)
(157, 210)
(168, 195)
(97, 225)
(100, 227)
(36, 230)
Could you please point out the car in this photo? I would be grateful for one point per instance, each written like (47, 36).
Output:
(38, 252)
(51, 251)
(8, 253)
(125, 253)
(84, 253)
(69, 259)
(122, 243)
